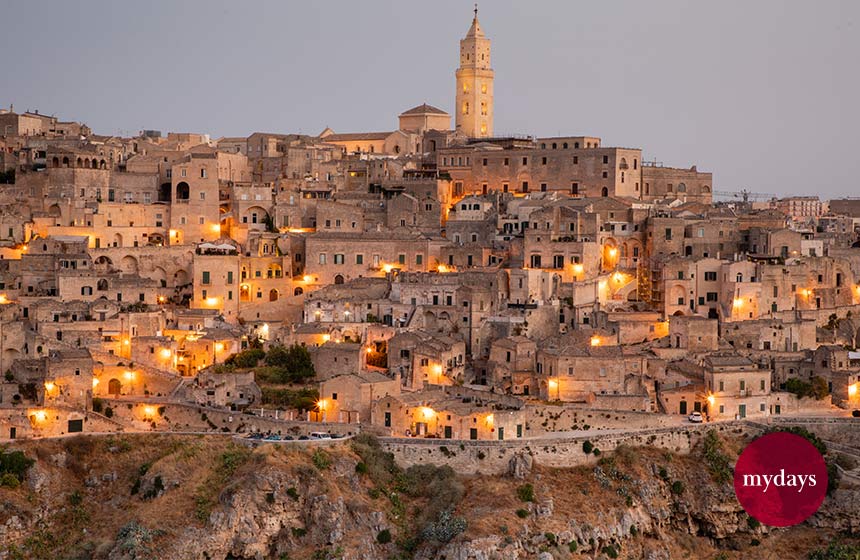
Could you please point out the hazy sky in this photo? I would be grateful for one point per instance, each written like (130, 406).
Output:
(762, 93)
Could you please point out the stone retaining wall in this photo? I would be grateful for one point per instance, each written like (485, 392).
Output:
(494, 457)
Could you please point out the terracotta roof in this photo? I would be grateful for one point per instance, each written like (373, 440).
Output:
(350, 136)
(424, 109)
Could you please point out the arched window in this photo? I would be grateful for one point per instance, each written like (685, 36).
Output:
(87, 291)
(396, 149)
(183, 191)
(298, 291)
(682, 187)
(338, 279)
(604, 192)
(56, 161)
(273, 295)
(102, 285)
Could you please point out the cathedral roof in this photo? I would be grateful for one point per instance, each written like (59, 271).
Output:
(424, 109)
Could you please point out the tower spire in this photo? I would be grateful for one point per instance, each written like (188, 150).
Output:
(476, 11)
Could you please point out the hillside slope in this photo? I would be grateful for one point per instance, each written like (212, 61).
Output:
(174, 497)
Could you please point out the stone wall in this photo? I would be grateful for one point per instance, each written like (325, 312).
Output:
(542, 419)
(155, 416)
(494, 457)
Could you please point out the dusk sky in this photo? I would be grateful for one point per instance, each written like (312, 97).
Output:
(763, 94)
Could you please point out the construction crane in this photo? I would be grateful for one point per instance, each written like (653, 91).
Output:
(745, 195)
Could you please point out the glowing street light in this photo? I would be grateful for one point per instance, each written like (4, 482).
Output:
(737, 302)
(554, 384)
(595, 340)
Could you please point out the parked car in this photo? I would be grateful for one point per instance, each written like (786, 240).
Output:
(320, 435)
(696, 418)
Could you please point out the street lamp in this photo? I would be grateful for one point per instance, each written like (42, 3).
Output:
(554, 384)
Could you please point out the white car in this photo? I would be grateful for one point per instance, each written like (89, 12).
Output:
(696, 418)
(320, 435)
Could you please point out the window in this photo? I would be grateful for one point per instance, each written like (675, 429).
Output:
(202, 172)
(338, 258)
(401, 259)
(322, 258)
(574, 188)
(359, 259)
(710, 276)
(605, 160)
(202, 195)
(722, 386)
(525, 186)
(668, 234)
(229, 276)
(205, 277)
(543, 160)
(419, 259)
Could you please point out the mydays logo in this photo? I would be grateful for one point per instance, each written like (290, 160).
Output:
(780, 479)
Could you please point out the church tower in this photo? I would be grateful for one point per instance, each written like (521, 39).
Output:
(474, 110)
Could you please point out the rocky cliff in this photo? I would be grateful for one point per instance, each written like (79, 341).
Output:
(210, 498)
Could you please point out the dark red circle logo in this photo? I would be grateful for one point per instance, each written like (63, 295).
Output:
(780, 479)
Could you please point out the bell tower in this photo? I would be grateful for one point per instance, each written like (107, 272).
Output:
(474, 110)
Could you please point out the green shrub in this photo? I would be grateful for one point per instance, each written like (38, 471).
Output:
(571, 546)
(14, 463)
(445, 528)
(522, 513)
(596, 452)
(383, 537)
(836, 551)
(817, 388)
(247, 358)
(526, 493)
(610, 550)
(293, 493)
(753, 523)
(321, 459)
(717, 461)
(587, 447)
(98, 405)
(109, 412)
(9, 480)
(677, 487)
(295, 362)
(299, 532)
(361, 467)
